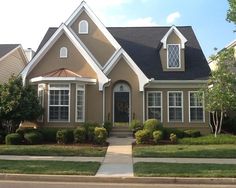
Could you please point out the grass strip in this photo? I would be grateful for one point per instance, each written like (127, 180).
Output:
(188, 151)
(53, 150)
(49, 167)
(143, 169)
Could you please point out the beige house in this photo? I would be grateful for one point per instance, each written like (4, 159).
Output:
(12, 61)
(87, 72)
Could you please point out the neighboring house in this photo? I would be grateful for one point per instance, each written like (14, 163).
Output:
(87, 72)
(213, 64)
(12, 61)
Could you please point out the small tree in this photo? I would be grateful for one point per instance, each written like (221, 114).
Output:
(17, 103)
(231, 13)
(220, 95)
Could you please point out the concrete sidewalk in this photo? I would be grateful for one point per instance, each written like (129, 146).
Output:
(118, 161)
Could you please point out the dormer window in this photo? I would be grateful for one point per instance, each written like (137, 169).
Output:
(63, 52)
(83, 27)
(173, 56)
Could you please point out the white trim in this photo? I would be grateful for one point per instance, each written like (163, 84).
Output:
(179, 81)
(77, 79)
(84, 7)
(144, 114)
(178, 33)
(161, 102)
(41, 87)
(76, 114)
(102, 79)
(80, 31)
(189, 108)
(63, 52)
(168, 106)
(60, 88)
(179, 67)
(143, 80)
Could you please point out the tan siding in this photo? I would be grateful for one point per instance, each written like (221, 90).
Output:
(12, 64)
(95, 40)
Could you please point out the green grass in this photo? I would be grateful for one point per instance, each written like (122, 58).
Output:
(209, 139)
(53, 150)
(191, 151)
(49, 167)
(184, 170)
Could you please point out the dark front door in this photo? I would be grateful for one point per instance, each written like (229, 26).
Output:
(121, 100)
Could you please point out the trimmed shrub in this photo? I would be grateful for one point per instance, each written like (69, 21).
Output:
(100, 135)
(49, 134)
(167, 132)
(136, 125)
(2, 136)
(192, 133)
(152, 125)
(173, 138)
(13, 139)
(79, 135)
(62, 136)
(33, 138)
(157, 136)
(90, 127)
(70, 136)
(108, 126)
(143, 136)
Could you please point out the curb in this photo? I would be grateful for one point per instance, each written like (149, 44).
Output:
(92, 179)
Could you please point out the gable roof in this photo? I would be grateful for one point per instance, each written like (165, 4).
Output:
(6, 48)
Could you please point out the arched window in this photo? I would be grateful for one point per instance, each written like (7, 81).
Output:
(83, 27)
(63, 52)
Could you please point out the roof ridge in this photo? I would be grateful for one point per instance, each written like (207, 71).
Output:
(149, 26)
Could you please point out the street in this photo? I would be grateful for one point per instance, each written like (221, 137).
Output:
(30, 184)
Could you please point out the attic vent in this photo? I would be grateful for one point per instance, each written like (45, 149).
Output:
(83, 27)
(63, 52)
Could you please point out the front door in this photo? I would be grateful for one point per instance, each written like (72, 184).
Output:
(121, 108)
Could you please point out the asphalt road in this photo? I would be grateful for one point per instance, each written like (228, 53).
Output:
(29, 184)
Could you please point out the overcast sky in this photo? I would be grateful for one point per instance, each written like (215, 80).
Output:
(26, 21)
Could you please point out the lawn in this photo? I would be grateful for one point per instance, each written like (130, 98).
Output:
(49, 167)
(53, 150)
(191, 151)
(184, 170)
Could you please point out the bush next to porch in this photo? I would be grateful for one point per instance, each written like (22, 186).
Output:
(100, 135)
(80, 135)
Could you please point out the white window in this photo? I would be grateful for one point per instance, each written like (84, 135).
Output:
(63, 52)
(196, 109)
(83, 27)
(80, 103)
(59, 102)
(41, 98)
(173, 56)
(154, 105)
(175, 106)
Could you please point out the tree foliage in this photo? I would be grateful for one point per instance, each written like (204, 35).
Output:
(231, 13)
(18, 103)
(220, 95)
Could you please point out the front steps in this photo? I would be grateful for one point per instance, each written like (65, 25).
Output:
(121, 132)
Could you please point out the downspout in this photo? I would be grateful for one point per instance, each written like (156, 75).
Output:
(104, 100)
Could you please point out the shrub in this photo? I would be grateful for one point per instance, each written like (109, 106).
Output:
(143, 136)
(152, 125)
(70, 136)
(2, 136)
(157, 136)
(100, 135)
(167, 132)
(33, 137)
(13, 139)
(90, 127)
(62, 136)
(108, 126)
(173, 138)
(229, 124)
(49, 134)
(79, 135)
(136, 125)
(192, 133)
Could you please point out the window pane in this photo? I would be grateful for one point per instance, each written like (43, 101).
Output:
(196, 114)
(175, 99)
(53, 113)
(80, 105)
(80, 113)
(173, 55)
(154, 99)
(175, 114)
(154, 113)
(64, 113)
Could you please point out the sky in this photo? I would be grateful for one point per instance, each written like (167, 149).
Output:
(26, 21)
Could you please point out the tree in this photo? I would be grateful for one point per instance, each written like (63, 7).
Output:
(18, 103)
(231, 13)
(220, 93)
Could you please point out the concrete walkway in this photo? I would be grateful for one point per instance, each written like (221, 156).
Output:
(118, 161)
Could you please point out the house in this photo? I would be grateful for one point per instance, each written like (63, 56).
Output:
(12, 61)
(87, 72)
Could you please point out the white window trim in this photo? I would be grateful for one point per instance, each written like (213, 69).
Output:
(179, 67)
(182, 106)
(80, 87)
(79, 27)
(59, 88)
(41, 87)
(63, 52)
(203, 108)
(155, 106)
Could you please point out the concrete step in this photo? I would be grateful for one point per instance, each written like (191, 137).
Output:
(121, 134)
(121, 129)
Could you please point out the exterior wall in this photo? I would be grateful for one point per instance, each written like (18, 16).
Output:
(12, 64)
(186, 124)
(52, 61)
(172, 39)
(95, 40)
(123, 72)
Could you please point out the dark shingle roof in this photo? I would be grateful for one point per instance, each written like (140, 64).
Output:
(6, 48)
(143, 45)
